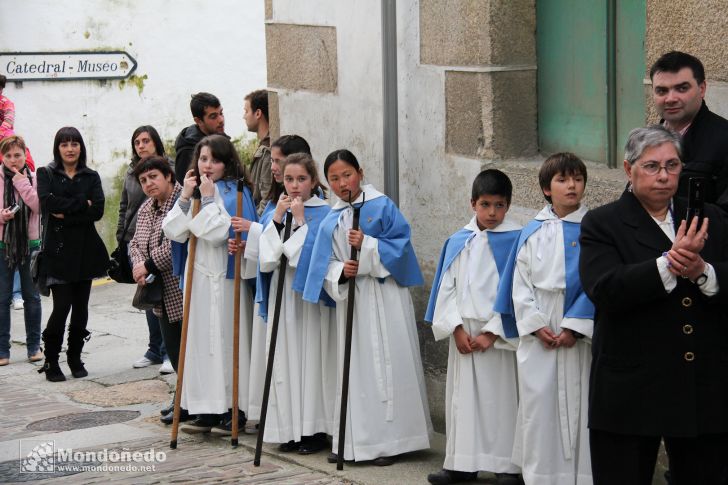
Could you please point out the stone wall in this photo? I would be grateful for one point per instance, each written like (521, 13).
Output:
(697, 27)
(467, 100)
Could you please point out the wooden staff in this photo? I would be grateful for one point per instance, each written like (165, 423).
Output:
(347, 348)
(272, 347)
(236, 321)
(192, 248)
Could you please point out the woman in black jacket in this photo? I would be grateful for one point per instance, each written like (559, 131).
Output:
(659, 367)
(71, 201)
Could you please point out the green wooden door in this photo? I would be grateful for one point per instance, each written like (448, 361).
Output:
(630, 58)
(572, 53)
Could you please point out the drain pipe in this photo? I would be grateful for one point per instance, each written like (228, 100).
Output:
(612, 84)
(390, 108)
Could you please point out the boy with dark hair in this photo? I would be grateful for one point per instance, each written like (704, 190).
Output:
(555, 320)
(209, 120)
(482, 396)
(255, 113)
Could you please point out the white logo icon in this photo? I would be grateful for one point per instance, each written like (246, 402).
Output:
(41, 458)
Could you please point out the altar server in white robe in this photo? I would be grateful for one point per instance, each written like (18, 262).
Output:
(207, 385)
(279, 150)
(481, 399)
(297, 411)
(387, 407)
(555, 323)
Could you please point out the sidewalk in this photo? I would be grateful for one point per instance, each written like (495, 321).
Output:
(115, 411)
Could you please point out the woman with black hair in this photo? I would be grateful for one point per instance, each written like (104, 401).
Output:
(72, 199)
(145, 143)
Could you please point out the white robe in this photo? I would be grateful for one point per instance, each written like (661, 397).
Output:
(305, 343)
(387, 410)
(481, 399)
(207, 384)
(552, 440)
(258, 347)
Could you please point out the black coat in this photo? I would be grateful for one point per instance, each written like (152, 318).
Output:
(705, 154)
(642, 379)
(72, 248)
(184, 147)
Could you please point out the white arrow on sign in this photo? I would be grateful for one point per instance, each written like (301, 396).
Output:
(66, 66)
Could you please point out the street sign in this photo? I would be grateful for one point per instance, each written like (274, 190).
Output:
(66, 66)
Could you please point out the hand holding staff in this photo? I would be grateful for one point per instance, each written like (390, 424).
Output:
(272, 347)
(185, 323)
(347, 343)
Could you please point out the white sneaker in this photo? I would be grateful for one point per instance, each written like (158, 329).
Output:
(166, 367)
(18, 304)
(143, 362)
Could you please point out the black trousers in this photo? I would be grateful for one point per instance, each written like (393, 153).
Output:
(630, 460)
(73, 298)
(171, 334)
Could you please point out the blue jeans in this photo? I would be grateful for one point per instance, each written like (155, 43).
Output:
(32, 310)
(156, 351)
(17, 294)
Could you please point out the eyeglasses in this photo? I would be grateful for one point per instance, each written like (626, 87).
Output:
(672, 167)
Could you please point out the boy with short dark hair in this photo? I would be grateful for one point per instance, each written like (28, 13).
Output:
(481, 395)
(555, 323)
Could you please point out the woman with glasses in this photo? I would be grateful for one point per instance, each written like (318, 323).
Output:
(659, 285)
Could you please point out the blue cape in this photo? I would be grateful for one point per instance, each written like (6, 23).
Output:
(379, 218)
(228, 193)
(267, 210)
(314, 216)
(576, 303)
(262, 280)
(500, 243)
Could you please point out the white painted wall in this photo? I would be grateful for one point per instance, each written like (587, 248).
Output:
(183, 46)
(352, 117)
(434, 187)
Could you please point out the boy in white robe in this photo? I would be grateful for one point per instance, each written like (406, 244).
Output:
(481, 393)
(555, 324)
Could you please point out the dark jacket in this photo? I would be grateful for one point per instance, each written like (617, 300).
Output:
(660, 361)
(72, 247)
(184, 147)
(705, 154)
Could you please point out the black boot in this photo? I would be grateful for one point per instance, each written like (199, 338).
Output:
(52, 343)
(52, 371)
(76, 340)
(76, 365)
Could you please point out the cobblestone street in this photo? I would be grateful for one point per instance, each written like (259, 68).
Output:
(116, 409)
